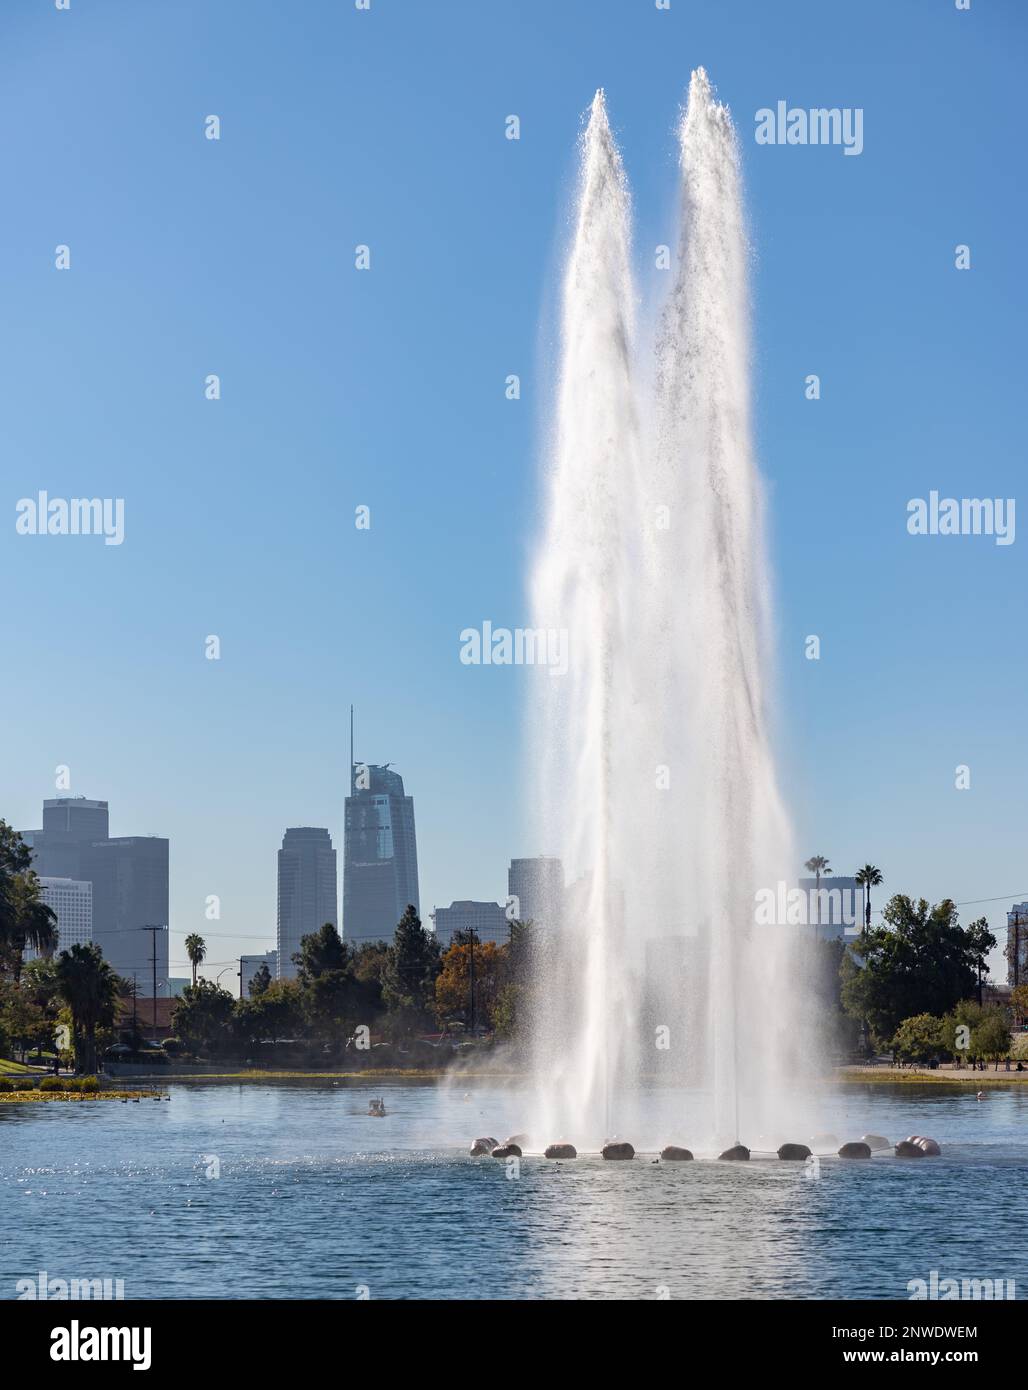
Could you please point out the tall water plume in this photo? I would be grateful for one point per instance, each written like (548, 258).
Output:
(653, 773)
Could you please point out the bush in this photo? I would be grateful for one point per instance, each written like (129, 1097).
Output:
(51, 1083)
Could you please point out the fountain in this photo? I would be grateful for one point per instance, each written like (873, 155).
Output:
(651, 765)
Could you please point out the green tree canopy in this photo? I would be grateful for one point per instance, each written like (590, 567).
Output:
(91, 990)
(919, 1039)
(203, 1016)
(919, 961)
(408, 980)
(990, 1039)
(25, 920)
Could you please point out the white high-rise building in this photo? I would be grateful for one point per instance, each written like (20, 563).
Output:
(537, 888)
(72, 901)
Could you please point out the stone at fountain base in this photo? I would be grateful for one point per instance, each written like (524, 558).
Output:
(673, 1154)
(927, 1146)
(794, 1153)
(618, 1150)
(736, 1153)
(483, 1146)
(855, 1150)
(507, 1150)
(875, 1141)
(905, 1149)
(560, 1151)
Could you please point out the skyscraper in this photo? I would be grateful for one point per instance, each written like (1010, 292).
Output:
(380, 854)
(306, 891)
(71, 901)
(538, 886)
(487, 920)
(128, 877)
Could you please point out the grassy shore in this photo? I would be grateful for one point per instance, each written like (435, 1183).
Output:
(14, 1096)
(376, 1074)
(963, 1077)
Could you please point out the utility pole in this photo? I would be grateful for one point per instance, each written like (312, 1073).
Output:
(471, 942)
(154, 931)
(1017, 948)
(240, 977)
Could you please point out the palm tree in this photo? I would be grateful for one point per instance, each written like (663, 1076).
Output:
(817, 866)
(91, 990)
(196, 950)
(868, 877)
(27, 921)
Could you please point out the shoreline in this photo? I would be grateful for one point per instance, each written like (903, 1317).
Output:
(12, 1097)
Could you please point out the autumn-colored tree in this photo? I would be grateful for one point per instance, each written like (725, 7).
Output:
(453, 987)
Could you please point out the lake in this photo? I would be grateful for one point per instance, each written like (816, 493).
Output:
(309, 1197)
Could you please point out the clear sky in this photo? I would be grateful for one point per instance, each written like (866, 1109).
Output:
(385, 388)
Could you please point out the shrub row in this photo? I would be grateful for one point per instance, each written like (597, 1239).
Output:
(86, 1084)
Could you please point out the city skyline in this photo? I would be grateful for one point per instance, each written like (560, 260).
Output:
(537, 884)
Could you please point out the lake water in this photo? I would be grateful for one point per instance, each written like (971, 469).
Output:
(315, 1199)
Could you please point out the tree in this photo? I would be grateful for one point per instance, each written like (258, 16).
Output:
(958, 1029)
(817, 866)
(408, 980)
(991, 1038)
(509, 1010)
(261, 981)
(25, 920)
(329, 990)
(868, 877)
(982, 942)
(21, 1021)
(91, 990)
(918, 961)
(453, 984)
(273, 1015)
(919, 1039)
(202, 1016)
(196, 950)
(320, 952)
(1019, 1001)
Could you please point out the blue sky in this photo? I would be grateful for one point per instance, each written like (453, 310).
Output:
(386, 388)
